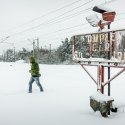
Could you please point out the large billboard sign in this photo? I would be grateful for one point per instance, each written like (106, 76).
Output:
(100, 47)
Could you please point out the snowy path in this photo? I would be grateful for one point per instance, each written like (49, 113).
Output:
(65, 100)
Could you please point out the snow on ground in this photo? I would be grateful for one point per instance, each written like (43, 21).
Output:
(65, 100)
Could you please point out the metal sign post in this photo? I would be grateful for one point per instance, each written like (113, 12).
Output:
(103, 50)
(109, 56)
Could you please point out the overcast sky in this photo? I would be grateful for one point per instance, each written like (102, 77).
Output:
(50, 20)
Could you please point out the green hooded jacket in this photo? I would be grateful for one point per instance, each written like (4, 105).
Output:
(34, 67)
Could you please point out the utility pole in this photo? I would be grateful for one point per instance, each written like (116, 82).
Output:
(7, 57)
(50, 49)
(4, 56)
(37, 49)
(33, 48)
(14, 53)
(45, 48)
(33, 43)
(50, 53)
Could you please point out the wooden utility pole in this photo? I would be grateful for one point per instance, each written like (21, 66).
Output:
(14, 53)
(50, 49)
(37, 49)
(33, 48)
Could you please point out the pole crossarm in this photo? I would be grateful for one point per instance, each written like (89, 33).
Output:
(88, 73)
(108, 82)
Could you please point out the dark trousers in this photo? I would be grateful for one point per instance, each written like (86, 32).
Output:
(36, 79)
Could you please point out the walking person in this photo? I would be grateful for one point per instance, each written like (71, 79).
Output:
(34, 75)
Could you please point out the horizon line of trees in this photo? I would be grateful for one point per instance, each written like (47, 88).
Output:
(61, 55)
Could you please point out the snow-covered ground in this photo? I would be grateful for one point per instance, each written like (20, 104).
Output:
(65, 100)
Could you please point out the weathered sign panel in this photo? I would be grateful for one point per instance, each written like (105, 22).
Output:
(102, 47)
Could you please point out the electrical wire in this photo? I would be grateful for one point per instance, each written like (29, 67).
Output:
(51, 19)
(49, 13)
(60, 29)
(64, 29)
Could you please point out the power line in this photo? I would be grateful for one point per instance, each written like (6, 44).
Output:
(53, 18)
(66, 7)
(54, 21)
(59, 20)
(64, 29)
(75, 14)
(70, 28)
(60, 29)
(68, 16)
(44, 39)
(72, 15)
(120, 13)
(57, 38)
(51, 12)
(55, 10)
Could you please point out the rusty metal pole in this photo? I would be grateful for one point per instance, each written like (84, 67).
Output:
(99, 78)
(109, 87)
(102, 79)
(109, 59)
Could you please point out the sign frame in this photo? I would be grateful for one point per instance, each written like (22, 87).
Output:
(117, 58)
